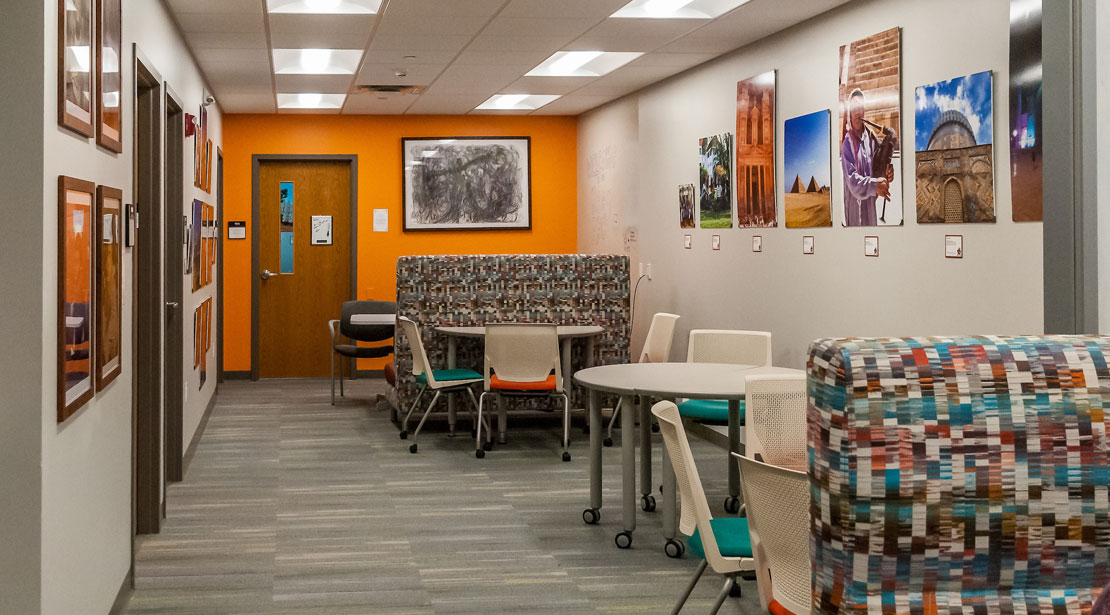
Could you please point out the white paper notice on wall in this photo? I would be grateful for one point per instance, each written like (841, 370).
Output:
(321, 230)
(381, 220)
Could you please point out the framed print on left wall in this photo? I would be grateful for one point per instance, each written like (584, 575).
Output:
(109, 289)
(75, 66)
(109, 80)
(76, 339)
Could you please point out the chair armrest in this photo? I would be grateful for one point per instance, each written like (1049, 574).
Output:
(332, 330)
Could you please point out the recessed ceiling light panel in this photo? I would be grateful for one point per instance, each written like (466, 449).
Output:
(516, 102)
(316, 61)
(582, 63)
(310, 100)
(324, 7)
(677, 9)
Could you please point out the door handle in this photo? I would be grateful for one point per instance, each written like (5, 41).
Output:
(266, 274)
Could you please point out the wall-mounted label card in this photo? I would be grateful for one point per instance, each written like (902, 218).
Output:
(716, 242)
(688, 242)
(757, 243)
(871, 245)
(807, 244)
(321, 230)
(236, 229)
(381, 220)
(953, 246)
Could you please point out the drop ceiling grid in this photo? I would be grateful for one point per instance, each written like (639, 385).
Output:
(465, 49)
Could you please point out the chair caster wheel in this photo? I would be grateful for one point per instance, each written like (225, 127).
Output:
(647, 503)
(404, 435)
(655, 428)
(735, 592)
(479, 453)
(412, 449)
(591, 516)
(624, 540)
(487, 446)
(674, 548)
(566, 456)
(607, 442)
(732, 504)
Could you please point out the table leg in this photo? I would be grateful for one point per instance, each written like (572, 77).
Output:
(452, 352)
(589, 363)
(592, 514)
(628, 471)
(734, 447)
(647, 500)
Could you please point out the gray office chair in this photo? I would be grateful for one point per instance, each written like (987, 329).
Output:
(358, 325)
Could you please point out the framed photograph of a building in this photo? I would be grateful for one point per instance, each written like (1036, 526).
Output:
(466, 183)
(76, 263)
(755, 151)
(75, 66)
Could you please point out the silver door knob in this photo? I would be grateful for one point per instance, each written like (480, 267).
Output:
(266, 274)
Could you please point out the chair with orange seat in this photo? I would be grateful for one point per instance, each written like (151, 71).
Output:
(522, 360)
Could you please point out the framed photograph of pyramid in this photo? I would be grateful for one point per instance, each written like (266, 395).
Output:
(808, 163)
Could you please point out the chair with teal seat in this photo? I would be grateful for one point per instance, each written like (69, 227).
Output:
(722, 544)
(723, 346)
(439, 380)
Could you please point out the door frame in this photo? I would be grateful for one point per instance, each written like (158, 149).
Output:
(146, 409)
(173, 376)
(220, 265)
(256, 282)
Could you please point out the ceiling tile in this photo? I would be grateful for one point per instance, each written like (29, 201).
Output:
(324, 84)
(220, 22)
(451, 25)
(477, 80)
(534, 26)
(318, 40)
(633, 34)
(629, 79)
(595, 9)
(397, 57)
(416, 74)
(444, 104)
(211, 54)
(573, 105)
(416, 43)
(378, 104)
(216, 6)
(454, 8)
(683, 60)
(499, 58)
(225, 40)
(237, 73)
(323, 24)
(513, 44)
(246, 101)
(546, 85)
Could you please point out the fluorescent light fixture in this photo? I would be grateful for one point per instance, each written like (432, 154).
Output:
(79, 55)
(582, 63)
(677, 9)
(324, 7)
(310, 100)
(516, 102)
(316, 61)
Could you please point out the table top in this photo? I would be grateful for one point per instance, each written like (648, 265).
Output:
(564, 331)
(689, 380)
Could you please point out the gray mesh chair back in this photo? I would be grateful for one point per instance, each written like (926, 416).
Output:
(349, 326)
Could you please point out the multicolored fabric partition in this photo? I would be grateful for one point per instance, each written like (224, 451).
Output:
(575, 289)
(959, 475)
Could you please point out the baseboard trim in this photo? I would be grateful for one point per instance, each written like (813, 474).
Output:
(189, 452)
(370, 373)
(244, 375)
(124, 594)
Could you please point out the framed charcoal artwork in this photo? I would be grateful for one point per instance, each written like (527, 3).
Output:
(467, 183)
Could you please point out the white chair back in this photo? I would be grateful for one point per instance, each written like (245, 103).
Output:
(775, 415)
(725, 346)
(777, 501)
(523, 353)
(695, 509)
(419, 357)
(657, 345)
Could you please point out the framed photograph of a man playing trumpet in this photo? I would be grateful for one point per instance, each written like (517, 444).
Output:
(870, 136)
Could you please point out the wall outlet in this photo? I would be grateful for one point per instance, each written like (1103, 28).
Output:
(649, 271)
(641, 270)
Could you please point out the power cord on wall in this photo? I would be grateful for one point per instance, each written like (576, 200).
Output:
(632, 313)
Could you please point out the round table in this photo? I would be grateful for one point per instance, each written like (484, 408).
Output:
(566, 333)
(661, 381)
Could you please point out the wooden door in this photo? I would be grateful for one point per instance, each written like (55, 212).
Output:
(307, 283)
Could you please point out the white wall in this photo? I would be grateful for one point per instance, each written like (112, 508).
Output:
(86, 461)
(910, 289)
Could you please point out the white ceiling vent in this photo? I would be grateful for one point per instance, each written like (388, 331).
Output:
(390, 90)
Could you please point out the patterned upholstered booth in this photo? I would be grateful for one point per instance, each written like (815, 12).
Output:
(959, 475)
(576, 289)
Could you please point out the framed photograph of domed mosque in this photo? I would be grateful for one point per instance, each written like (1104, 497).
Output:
(869, 133)
(954, 151)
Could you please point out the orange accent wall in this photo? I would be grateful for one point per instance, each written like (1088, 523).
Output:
(377, 142)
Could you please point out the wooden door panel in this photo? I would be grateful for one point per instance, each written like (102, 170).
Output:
(294, 308)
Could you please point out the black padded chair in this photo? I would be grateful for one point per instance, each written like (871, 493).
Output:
(350, 328)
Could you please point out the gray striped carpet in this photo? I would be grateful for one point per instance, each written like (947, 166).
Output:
(294, 506)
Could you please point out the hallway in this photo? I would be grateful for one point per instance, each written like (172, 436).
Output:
(294, 506)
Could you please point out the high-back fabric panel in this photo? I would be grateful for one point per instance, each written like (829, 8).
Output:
(959, 475)
(575, 289)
